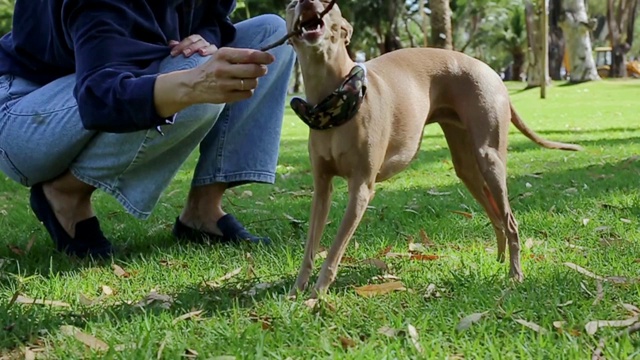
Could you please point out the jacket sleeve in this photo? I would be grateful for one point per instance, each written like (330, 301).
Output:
(215, 24)
(113, 92)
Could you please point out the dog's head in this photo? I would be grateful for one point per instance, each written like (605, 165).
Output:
(330, 31)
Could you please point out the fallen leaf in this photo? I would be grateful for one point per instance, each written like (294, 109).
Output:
(620, 280)
(529, 243)
(25, 300)
(431, 292)
(424, 239)
(107, 291)
(388, 331)
(533, 326)
(385, 277)
(311, 303)
(469, 320)
(583, 271)
(602, 228)
(246, 194)
(189, 315)
(631, 308)
(218, 282)
(377, 263)
(626, 221)
(585, 222)
(346, 343)
(87, 339)
(463, 213)
(261, 286)
(29, 354)
(559, 324)
(164, 301)
(397, 255)
(347, 260)
(293, 220)
(265, 321)
(424, 257)
(85, 300)
(321, 255)
(438, 193)
(189, 353)
(592, 326)
(413, 335)
(384, 251)
(565, 303)
(380, 289)
(32, 240)
(417, 248)
(16, 250)
(119, 271)
(9, 327)
(599, 293)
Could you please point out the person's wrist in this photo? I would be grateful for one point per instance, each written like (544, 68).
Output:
(174, 91)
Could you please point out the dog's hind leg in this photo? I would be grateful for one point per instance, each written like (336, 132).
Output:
(361, 192)
(320, 205)
(466, 167)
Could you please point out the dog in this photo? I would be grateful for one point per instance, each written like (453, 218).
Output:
(366, 125)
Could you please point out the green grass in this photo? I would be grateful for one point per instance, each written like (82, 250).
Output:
(552, 193)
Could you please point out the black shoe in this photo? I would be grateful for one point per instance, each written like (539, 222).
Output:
(231, 228)
(89, 239)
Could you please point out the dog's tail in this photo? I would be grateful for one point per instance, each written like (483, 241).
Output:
(520, 125)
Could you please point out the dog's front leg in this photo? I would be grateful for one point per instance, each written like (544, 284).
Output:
(360, 194)
(320, 205)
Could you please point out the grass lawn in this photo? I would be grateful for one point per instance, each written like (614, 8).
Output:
(581, 208)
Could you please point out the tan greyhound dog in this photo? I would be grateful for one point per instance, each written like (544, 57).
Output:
(370, 129)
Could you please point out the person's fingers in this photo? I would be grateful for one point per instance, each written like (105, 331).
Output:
(239, 71)
(238, 95)
(184, 44)
(195, 46)
(245, 56)
(233, 85)
(206, 51)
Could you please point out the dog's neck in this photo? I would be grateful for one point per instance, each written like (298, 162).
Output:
(323, 71)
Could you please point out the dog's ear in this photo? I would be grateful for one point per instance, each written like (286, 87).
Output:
(346, 30)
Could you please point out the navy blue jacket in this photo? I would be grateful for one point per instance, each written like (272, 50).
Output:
(114, 47)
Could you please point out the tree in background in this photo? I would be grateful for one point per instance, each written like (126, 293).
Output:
(6, 14)
(533, 11)
(621, 15)
(577, 28)
(441, 35)
(556, 41)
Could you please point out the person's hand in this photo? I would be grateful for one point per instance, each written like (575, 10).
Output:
(190, 45)
(230, 75)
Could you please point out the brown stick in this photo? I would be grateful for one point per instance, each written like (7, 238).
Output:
(599, 352)
(299, 30)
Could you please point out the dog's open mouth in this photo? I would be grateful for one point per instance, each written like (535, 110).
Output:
(312, 28)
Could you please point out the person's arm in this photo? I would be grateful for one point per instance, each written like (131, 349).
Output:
(113, 93)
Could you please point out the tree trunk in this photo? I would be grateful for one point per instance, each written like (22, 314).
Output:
(441, 36)
(621, 24)
(534, 38)
(518, 64)
(576, 27)
(556, 41)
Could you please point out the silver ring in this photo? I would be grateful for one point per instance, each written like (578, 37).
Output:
(241, 84)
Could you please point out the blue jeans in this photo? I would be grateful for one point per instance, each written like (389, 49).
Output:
(41, 135)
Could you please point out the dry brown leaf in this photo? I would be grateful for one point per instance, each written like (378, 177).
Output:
(347, 260)
(189, 315)
(424, 257)
(265, 321)
(218, 282)
(346, 342)
(431, 292)
(469, 320)
(631, 308)
(592, 326)
(415, 338)
(417, 248)
(261, 286)
(388, 331)
(384, 251)
(529, 243)
(25, 300)
(626, 221)
(29, 354)
(533, 326)
(246, 194)
(397, 255)
(87, 339)
(438, 193)
(32, 241)
(119, 271)
(321, 254)
(377, 263)
(16, 250)
(621, 280)
(583, 271)
(385, 277)
(380, 289)
(585, 221)
(424, 239)
(463, 213)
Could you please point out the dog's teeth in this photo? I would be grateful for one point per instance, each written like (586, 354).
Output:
(318, 27)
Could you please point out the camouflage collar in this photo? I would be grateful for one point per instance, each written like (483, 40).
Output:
(337, 108)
